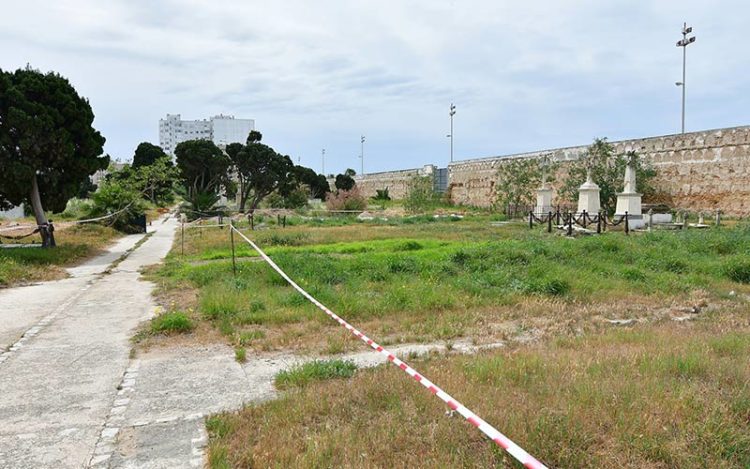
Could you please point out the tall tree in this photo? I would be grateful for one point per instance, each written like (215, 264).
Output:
(317, 183)
(264, 171)
(345, 181)
(203, 166)
(146, 154)
(48, 146)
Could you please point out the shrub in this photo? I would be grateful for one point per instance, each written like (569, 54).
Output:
(114, 196)
(738, 270)
(346, 200)
(420, 195)
(170, 323)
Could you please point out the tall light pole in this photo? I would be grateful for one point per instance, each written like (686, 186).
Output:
(452, 113)
(362, 154)
(323, 160)
(684, 42)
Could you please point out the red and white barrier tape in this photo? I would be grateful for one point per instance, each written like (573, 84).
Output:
(504, 442)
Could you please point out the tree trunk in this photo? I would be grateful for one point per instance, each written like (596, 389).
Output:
(41, 219)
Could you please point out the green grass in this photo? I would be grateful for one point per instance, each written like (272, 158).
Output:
(240, 354)
(318, 370)
(429, 280)
(171, 323)
(21, 265)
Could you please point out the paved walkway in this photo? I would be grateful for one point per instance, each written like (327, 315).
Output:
(71, 396)
(65, 353)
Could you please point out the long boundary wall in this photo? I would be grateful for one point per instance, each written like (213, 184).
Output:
(702, 170)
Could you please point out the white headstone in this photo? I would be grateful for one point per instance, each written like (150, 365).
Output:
(629, 200)
(588, 196)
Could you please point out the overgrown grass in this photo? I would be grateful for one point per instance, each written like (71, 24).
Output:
(74, 244)
(171, 323)
(318, 370)
(429, 282)
(647, 397)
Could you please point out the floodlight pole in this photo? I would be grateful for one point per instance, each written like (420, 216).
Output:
(362, 154)
(684, 42)
(452, 113)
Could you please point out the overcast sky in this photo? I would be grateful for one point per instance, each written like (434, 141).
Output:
(524, 75)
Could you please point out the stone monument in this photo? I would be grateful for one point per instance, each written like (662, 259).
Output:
(629, 200)
(588, 196)
(543, 197)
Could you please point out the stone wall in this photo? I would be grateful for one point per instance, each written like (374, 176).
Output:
(699, 170)
(397, 182)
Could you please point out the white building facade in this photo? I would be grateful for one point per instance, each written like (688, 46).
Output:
(221, 129)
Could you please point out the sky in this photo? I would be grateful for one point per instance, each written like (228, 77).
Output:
(524, 76)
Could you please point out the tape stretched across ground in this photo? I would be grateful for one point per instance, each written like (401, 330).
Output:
(504, 442)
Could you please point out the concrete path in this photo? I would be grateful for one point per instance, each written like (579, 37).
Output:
(71, 396)
(66, 351)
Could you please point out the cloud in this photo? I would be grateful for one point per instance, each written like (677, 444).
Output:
(524, 75)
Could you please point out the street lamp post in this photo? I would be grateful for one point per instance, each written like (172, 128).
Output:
(684, 42)
(323, 160)
(452, 113)
(362, 154)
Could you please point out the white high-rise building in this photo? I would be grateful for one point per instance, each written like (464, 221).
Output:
(221, 129)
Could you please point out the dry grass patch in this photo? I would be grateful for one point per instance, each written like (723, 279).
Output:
(74, 245)
(652, 396)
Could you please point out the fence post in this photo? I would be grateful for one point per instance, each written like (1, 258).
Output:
(252, 221)
(599, 223)
(718, 217)
(531, 220)
(627, 225)
(231, 239)
(549, 222)
(283, 220)
(558, 214)
(221, 221)
(584, 218)
(570, 224)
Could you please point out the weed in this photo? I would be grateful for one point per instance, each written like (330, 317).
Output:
(240, 354)
(170, 323)
(319, 370)
(248, 337)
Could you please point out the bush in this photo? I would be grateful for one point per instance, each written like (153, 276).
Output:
(114, 196)
(170, 323)
(739, 271)
(421, 195)
(346, 200)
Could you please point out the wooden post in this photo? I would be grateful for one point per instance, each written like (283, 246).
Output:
(599, 223)
(252, 221)
(584, 218)
(718, 217)
(627, 225)
(570, 224)
(531, 219)
(231, 240)
(549, 222)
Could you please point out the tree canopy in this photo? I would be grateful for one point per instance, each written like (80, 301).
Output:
(146, 154)
(345, 182)
(518, 179)
(203, 166)
(607, 171)
(48, 145)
